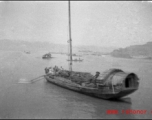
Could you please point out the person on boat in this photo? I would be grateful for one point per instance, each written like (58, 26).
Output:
(93, 81)
(52, 71)
(46, 70)
(56, 70)
(62, 68)
(49, 71)
(55, 67)
(95, 77)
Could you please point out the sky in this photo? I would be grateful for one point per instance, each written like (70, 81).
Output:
(97, 23)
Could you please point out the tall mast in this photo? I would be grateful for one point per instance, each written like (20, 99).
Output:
(70, 39)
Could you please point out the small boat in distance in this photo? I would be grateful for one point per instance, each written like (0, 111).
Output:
(47, 56)
(111, 84)
(27, 52)
(76, 60)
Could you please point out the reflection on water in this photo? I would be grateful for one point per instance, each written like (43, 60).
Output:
(23, 80)
(82, 106)
(45, 100)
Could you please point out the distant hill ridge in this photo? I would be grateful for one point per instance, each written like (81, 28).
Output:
(144, 50)
(6, 44)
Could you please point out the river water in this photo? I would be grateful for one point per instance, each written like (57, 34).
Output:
(41, 99)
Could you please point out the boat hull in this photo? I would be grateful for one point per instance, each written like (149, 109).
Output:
(46, 57)
(94, 92)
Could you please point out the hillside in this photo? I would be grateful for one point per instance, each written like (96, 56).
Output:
(135, 51)
(19, 45)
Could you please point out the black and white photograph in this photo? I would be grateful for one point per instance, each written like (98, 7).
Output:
(75, 59)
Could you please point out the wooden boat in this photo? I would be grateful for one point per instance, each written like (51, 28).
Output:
(47, 56)
(111, 84)
(77, 60)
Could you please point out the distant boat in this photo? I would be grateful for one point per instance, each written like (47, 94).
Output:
(72, 55)
(113, 83)
(77, 60)
(27, 52)
(47, 56)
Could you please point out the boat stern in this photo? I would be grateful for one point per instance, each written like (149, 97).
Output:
(117, 83)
